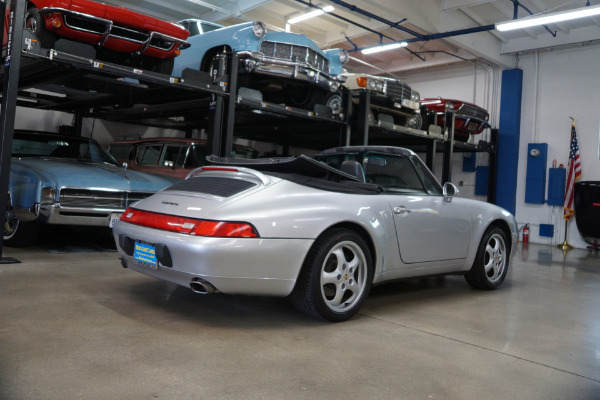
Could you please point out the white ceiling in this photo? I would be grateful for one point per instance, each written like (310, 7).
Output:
(373, 19)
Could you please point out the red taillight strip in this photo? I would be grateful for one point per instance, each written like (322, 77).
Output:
(189, 226)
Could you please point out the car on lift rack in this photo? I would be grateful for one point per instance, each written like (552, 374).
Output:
(285, 67)
(67, 180)
(321, 231)
(470, 119)
(169, 156)
(118, 34)
(389, 96)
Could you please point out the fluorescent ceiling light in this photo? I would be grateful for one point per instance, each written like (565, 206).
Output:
(548, 18)
(310, 15)
(384, 47)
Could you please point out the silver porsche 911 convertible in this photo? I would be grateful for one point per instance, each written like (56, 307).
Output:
(321, 231)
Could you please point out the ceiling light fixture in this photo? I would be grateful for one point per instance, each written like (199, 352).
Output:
(310, 15)
(545, 19)
(384, 47)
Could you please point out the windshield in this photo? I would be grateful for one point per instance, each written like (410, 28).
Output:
(395, 173)
(57, 146)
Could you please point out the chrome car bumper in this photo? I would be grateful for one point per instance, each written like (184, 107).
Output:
(265, 267)
(55, 214)
(257, 62)
(106, 29)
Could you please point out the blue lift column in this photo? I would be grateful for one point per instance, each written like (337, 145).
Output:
(508, 140)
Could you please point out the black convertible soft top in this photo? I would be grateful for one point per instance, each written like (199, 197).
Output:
(303, 170)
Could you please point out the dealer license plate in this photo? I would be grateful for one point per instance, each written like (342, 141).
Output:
(472, 126)
(145, 254)
(114, 218)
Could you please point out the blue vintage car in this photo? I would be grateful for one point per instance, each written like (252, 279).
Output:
(59, 179)
(285, 67)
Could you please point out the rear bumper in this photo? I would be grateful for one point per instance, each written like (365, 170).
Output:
(256, 62)
(265, 267)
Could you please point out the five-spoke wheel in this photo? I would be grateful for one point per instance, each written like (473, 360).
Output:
(336, 277)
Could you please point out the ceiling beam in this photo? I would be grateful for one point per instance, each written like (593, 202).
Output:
(481, 45)
(579, 35)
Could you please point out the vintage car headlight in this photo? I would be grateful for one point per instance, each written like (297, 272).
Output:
(415, 96)
(375, 84)
(343, 56)
(259, 29)
(48, 195)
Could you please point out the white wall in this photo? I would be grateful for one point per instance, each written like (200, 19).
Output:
(567, 84)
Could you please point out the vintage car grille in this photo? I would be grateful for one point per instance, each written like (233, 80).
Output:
(222, 187)
(86, 198)
(398, 90)
(473, 111)
(295, 53)
(84, 24)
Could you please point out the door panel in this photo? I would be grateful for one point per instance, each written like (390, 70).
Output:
(429, 229)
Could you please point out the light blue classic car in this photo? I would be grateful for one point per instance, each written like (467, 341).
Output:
(285, 67)
(59, 179)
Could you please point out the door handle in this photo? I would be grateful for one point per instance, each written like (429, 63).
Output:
(401, 210)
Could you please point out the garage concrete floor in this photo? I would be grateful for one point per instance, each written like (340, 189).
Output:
(78, 326)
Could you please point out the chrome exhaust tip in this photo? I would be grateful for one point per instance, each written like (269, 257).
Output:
(200, 286)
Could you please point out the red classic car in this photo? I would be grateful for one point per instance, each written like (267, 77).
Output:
(117, 33)
(470, 119)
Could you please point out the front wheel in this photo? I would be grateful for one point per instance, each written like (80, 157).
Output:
(35, 22)
(18, 233)
(491, 261)
(336, 277)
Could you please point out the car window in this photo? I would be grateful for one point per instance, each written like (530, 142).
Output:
(197, 157)
(148, 154)
(173, 155)
(121, 151)
(430, 183)
(32, 145)
(395, 173)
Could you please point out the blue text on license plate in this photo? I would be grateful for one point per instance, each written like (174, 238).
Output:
(145, 253)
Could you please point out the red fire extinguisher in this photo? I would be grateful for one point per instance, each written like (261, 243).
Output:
(526, 233)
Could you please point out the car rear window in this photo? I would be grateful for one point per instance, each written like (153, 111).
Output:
(222, 187)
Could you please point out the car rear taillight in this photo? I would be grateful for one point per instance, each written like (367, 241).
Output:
(189, 226)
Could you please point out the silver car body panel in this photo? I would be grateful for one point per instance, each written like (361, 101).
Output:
(289, 218)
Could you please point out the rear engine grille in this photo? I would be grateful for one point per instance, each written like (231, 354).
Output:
(85, 198)
(473, 111)
(295, 53)
(398, 90)
(222, 187)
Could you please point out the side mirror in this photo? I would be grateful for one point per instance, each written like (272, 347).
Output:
(449, 191)
(125, 165)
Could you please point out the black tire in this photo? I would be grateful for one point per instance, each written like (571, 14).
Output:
(491, 261)
(18, 233)
(335, 102)
(336, 277)
(415, 121)
(35, 22)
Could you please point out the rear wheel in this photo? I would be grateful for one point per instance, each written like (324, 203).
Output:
(336, 277)
(491, 262)
(35, 22)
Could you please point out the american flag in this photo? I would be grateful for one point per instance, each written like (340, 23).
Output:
(573, 175)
